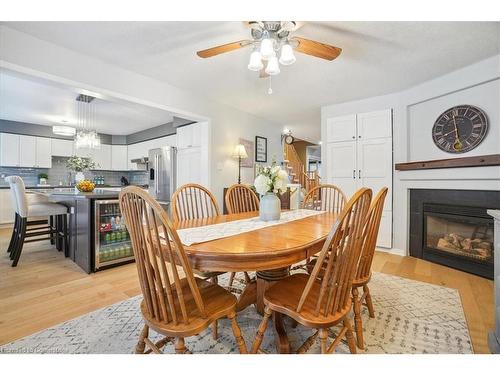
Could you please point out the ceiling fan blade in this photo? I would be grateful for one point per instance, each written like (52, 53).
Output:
(214, 51)
(317, 49)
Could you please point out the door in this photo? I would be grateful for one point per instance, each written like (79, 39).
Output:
(377, 124)
(341, 159)
(339, 129)
(189, 166)
(27, 151)
(43, 152)
(9, 150)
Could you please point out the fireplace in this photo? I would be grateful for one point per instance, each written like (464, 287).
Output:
(452, 228)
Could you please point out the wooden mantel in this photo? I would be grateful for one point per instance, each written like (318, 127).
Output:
(469, 161)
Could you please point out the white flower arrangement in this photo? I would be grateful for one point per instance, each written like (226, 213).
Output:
(270, 179)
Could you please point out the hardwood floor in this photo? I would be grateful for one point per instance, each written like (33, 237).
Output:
(46, 289)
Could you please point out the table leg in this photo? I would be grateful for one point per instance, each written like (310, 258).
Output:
(264, 280)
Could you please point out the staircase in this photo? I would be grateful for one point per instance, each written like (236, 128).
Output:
(295, 168)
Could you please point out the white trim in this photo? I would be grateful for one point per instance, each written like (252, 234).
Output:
(393, 251)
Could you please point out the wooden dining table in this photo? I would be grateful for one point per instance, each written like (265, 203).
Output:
(269, 251)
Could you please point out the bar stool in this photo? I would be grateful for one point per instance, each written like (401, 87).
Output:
(25, 228)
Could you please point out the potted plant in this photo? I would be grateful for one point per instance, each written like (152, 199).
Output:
(42, 178)
(270, 180)
(79, 165)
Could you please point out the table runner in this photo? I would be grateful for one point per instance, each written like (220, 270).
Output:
(190, 236)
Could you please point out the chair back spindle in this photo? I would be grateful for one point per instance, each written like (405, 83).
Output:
(370, 235)
(339, 257)
(325, 198)
(157, 249)
(240, 198)
(193, 201)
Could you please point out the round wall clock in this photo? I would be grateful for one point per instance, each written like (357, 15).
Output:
(460, 129)
(289, 139)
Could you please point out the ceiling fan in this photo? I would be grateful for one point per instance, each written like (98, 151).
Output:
(271, 39)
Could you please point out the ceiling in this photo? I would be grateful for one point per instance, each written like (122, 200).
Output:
(377, 58)
(38, 102)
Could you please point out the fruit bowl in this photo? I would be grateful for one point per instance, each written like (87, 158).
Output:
(85, 186)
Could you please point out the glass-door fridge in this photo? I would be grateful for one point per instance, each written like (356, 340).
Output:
(112, 240)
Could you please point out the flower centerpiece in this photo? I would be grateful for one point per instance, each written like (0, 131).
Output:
(79, 165)
(270, 180)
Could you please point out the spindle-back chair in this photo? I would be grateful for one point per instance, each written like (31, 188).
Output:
(175, 304)
(193, 201)
(325, 198)
(323, 303)
(363, 272)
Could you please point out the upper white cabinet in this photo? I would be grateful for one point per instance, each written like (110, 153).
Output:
(189, 136)
(141, 149)
(102, 156)
(62, 147)
(9, 150)
(119, 158)
(359, 154)
(341, 128)
(25, 151)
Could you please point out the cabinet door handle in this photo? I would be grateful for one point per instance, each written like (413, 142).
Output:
(354, 173)
(359, 173)
(353, 137)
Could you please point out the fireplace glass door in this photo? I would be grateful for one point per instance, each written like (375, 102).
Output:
(463, 236)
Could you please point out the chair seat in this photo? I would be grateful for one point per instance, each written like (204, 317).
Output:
(46, 209)
(218, 303)
(34, 198)
(284, 297)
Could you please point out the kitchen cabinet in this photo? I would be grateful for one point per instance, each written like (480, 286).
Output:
(141, 149)
(62, 147)
(359, 154)
(119, 158)
(189, 166)
(102, 156)
(25, 151)
(9, 150)
(189, 136)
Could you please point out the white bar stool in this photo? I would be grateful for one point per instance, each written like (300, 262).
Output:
(33, 206)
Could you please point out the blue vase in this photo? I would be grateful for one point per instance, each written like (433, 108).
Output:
(269, 207)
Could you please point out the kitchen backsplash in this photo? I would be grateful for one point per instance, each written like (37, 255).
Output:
(59, 174)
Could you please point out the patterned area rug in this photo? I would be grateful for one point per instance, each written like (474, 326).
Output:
(410, 317)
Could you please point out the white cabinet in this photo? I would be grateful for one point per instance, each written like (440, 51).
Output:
(119, 158)
(62, 147)
(359, 154)
(189, 136)
(102, 156)
(189, 166)
(43, 152)
(9, 150)
(25, 151)
(6, 207)
(134, 151)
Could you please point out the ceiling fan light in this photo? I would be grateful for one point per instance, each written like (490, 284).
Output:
(267, 48)
(273, 67)
(255, 63)
(287, 56)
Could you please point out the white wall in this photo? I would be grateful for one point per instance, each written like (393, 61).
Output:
(414, 113)
(25, 54)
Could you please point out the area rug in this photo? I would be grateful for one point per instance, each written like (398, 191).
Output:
(410, 317)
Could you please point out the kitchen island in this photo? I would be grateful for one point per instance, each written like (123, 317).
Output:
(98, 236)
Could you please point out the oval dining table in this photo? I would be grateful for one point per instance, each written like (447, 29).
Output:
(269, 251)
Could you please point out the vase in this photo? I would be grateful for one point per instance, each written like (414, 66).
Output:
(269, 207)
(79, 176)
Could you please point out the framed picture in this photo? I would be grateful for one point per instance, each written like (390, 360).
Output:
(247, 162)
(260, 149)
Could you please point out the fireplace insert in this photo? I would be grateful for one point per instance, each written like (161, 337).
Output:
(451, 227)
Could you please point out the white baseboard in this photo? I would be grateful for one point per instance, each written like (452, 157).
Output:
(394, 251)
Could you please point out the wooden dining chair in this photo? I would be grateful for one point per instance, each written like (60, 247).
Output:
(193, 201)
(363, 272)
(240, 198)
(322, 303)
(325, 198)
(176, 304)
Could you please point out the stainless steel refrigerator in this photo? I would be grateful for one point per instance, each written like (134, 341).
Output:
(162, 174)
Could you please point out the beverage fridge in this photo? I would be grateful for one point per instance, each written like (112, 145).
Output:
(112, 240)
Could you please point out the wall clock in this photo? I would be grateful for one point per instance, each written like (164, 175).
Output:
(289, 139)
(460, 129)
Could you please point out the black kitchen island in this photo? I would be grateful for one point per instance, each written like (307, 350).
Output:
(97, 232)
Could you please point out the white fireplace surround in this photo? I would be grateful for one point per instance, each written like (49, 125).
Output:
(414, 112)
